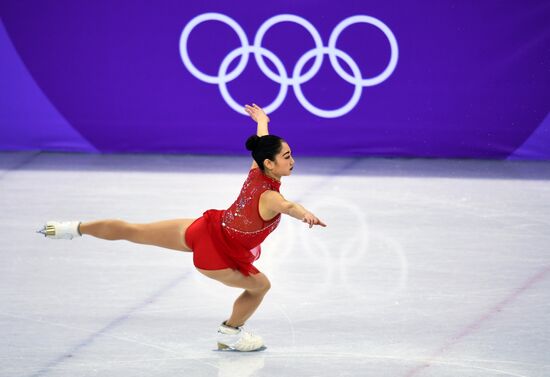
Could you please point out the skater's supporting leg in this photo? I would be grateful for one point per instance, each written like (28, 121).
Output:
(245, 305)
(168, 234)
(256, 286)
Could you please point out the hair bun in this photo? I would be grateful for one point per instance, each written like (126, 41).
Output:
(252, 142)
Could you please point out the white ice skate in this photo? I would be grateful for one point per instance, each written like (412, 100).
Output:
(236, 339)
(61, 230)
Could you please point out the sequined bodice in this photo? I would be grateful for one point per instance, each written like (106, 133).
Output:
(242, 221)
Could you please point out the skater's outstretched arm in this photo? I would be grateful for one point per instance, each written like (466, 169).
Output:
(259, 116)
(273, 203)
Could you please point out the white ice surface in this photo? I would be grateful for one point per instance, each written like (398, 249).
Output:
(427, 268)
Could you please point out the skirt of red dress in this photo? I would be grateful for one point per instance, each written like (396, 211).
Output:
(212, 250)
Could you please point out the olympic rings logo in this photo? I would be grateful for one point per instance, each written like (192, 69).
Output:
(281, 76)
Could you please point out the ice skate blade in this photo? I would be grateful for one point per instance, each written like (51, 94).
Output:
(224, 348)
(47, 231)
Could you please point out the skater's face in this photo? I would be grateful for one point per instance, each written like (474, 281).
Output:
(283, 163)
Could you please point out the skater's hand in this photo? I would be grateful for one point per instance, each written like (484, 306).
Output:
(311, 220)
(256, 113)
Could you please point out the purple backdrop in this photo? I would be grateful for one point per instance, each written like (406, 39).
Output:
(420, 78)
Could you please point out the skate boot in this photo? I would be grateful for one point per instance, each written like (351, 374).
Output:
(61, 230)
(236, 339)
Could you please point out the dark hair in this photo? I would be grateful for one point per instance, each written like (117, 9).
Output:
(262, 147)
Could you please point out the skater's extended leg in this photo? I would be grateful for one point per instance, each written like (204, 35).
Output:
(169, 234)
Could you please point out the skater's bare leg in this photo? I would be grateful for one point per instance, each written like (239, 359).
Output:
(245, 305)
(169, 234)
(256, 287)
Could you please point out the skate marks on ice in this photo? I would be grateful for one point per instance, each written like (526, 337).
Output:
(373, 364)
(478, 323)
(108, 328)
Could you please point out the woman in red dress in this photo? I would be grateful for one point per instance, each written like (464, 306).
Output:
(224, 243)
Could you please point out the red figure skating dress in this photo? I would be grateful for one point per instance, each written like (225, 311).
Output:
(232, 238)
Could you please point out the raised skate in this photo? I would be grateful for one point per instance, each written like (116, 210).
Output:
(61, 230)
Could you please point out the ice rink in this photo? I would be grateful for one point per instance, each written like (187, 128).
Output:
(427, 268)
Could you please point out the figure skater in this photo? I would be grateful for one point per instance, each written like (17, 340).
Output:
(224, 243)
